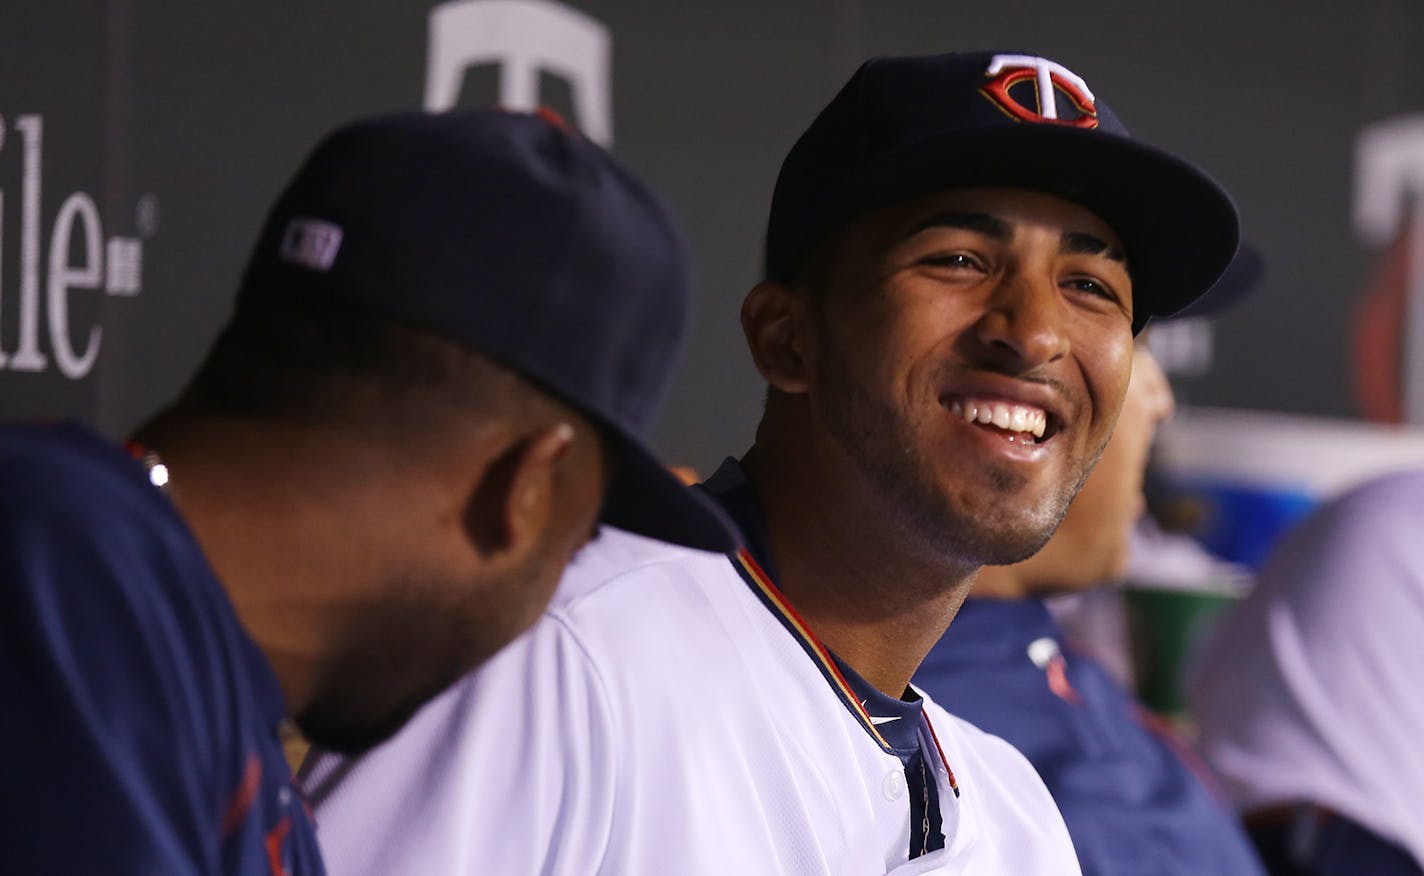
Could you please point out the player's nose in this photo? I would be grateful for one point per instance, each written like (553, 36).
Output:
(1023, 320)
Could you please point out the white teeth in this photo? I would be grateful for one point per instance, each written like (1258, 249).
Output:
(1004, 415)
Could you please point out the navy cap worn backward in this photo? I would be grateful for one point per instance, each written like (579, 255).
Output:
(522, 240)
(906, 127)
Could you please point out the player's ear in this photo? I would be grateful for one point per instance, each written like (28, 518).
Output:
(514, 499)
(775, 320)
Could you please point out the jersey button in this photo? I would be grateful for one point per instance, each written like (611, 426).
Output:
(894, 785)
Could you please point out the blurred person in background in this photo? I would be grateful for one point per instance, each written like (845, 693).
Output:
(1308, 693)
(1133, 798)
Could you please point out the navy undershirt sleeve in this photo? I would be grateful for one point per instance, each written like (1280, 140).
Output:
(104, 708)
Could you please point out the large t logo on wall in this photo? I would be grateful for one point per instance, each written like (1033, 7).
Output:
(523, 38)
(1389, 213)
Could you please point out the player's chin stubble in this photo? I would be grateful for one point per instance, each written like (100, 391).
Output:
(330, 731)
(882, 445)
(404, 652)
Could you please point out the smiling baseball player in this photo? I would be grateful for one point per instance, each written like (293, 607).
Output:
(960, 250)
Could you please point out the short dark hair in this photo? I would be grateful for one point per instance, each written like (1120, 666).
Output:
(306, 361)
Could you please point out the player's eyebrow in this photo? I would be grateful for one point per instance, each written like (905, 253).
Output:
(982, 223)
(1081, 242)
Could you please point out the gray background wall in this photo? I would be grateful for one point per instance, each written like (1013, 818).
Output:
(181, 121)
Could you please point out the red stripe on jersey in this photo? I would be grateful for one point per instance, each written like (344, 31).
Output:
(934, 737)
(241, 802)
(797, 623)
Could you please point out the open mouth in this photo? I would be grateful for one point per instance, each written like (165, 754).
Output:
(1018, 423)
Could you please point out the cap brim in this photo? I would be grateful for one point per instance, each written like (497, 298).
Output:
(1180, 229)
(1242, 276)
(646, 498)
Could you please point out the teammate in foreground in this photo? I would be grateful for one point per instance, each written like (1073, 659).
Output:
(956, 265)
(1124, 785)
(450, 333)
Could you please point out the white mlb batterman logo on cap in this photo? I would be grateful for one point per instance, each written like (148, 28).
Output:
(310, 243)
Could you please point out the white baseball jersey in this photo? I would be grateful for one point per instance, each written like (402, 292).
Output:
(662, 718)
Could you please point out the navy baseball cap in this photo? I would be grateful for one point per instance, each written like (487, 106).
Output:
(905, 127)
(512, 235)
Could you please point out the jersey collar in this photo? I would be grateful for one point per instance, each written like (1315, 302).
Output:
(892, 723)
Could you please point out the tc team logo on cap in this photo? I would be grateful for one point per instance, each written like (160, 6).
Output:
(311, 243)
(1049, 79)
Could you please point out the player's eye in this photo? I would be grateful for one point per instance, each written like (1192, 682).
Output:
(1090, 286)
(959, 260)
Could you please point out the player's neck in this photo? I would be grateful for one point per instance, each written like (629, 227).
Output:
(879, 603)
(1001, 582)
(262, 518)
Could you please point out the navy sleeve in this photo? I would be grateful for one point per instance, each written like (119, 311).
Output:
(1335, 846)
(105, 723)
